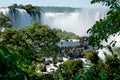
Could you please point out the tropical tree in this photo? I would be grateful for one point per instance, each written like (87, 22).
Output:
(102, 30)
(68, 69)
(108, 26)
(91, 55)
(10, 64)
(37, 37)
(108, 70)
(25, 47)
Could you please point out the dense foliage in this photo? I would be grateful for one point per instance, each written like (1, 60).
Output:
(29, 8)
(65, 35)
(108, 70)
(68, 70)
(91, 55)
(11, 62)
(96, 70)
(4, 21)
(110, 25)
(21, 51)
(25, 47)
(101, 30)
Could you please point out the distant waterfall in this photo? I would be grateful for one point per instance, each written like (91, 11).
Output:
(77, 22)
(20, 18)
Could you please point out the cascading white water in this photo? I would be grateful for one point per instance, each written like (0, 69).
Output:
(20, 18)
(77, 22)
(36, 16)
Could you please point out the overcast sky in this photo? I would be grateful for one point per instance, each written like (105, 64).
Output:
(63, 3)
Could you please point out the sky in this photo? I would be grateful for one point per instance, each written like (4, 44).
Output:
(58, 3)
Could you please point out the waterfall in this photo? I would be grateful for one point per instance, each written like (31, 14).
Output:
(20, 18)
(36, 16)
(77, 22)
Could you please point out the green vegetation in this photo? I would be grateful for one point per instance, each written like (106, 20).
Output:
(41, 68)
(29, 8)
(108, 70)
(33, 37)
(60, 60)
(68, 70)
(91, 55)
(11, 64)
(110, 25)
(65, 35)
(4, 21)
(20, 50)
(98, 69)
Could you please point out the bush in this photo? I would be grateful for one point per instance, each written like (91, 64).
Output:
(29, 8)
(91, 55)
(68, 69)
(41, 67)
(60, 60)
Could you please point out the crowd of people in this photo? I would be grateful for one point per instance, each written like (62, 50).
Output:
(74, 51)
